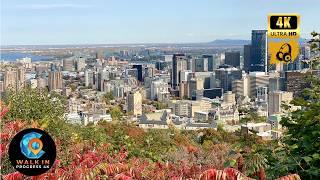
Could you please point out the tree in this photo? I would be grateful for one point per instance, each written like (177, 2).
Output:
(116, 113)
(34, 104)
(299, 150)
(108, 97)
(251, 116)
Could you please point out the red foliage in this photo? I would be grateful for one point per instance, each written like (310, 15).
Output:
(95, 163)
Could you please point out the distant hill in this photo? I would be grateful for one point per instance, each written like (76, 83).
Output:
(241, 42)
(230, 42)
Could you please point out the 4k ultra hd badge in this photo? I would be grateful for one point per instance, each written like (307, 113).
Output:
(32, 152)
(283, 37)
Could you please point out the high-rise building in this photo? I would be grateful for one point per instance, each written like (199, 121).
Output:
(212, 63)
(241, 87)
(68, 64)
(139, 68)
(258, 50)
(135, 103)
(14, 79)
(158, 88)
(276, 99)
(232, 58)
(179, 63)
(183, 90)
(201, 65)
(10, 80)
(225, 75)
(257, 79)
(295, 81)
(55, 80)
(80, 63)
(246, 57)
(193, 85)
(89, 76)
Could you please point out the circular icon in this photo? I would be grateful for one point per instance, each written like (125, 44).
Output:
(32, 152)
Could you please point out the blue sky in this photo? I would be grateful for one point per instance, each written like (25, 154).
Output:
(143, 21)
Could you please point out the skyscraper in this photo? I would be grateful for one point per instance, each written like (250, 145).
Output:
(139, 69)
(247, 57)
(258, 50)
(212, 64)
(179, 63)
(225, 75)
(14, 79)
(55, 80)
(232, 58)
(135, 103)
(201, 65)
(80, 63)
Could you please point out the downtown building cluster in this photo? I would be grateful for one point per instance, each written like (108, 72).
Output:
(159, 89)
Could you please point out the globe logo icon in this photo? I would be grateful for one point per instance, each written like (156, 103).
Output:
(31, 145)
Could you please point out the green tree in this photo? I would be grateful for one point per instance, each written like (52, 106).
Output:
(250, 116)
(34, 104)
(299, 150)
(116, 113)
(108, 97)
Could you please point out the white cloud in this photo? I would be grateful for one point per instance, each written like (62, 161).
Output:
(52, 6)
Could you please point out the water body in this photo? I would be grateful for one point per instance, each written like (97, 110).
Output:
(13, 56)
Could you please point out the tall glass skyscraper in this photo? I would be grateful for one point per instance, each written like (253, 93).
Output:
(258, 50)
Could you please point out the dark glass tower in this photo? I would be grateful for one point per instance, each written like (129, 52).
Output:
(258, 50)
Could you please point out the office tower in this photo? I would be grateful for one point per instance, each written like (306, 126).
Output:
(194, 84)
(183, 90)
(212, 64)
(89, 76)
(135, 103)
(232, 58)
(55, 80)
(10, 80)
(201, 65)
(258, 50)
(158, 88)
(99, 80)
(191, 64)
(276, 99)
(184, 75)
(213, 93)
(148, 72)
(80, 63)
(14, 79)
(179, 63)
(225, 75)
(241, 87)
(257, 79)
(68, 64)
(295, 81)
(246, 57)
(139, 69)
